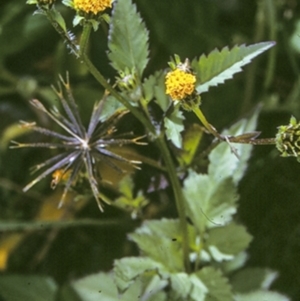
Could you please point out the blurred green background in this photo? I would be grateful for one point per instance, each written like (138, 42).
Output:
(31, 57)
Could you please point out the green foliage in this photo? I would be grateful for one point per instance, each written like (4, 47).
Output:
(251, 279)
(29, 288)
(154, 88)
(101, 287)
(174, 126)
(261, 295)
(184, 172)
(163, 234)
(222, 163)
(128, 38)
(216, 283)
(219, 66)
(208, 204)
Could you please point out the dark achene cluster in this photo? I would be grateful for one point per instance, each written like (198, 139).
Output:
(80, 148)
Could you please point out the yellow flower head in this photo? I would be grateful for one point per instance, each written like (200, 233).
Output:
(91, 6)
(180, 84)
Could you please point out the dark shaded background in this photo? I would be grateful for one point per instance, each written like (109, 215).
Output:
(31, 57)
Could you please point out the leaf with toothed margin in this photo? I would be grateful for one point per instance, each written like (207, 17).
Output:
(128, 38)
(218, 66)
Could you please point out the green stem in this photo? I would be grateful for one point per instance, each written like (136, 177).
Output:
(101, 79)
(58, 23)
(161, 143)
(179, 199)
(263, 141)
(204, 121)
(270, 12)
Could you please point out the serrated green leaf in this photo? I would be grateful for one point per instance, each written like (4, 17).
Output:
(227, 241)
(174, 126)
(95, 287)
(199, 290)
(223, 163)
(128, 38)
(163, 249)
(251, 279)
(154, 290)
(181, 285)
(160, 95)
(154, 87)
(217, 285)
(168, 228)
(127, 269)
(187, 287)
(101, 286)
(219, 66)
(27, 288)
(209, 203)
(261, 295)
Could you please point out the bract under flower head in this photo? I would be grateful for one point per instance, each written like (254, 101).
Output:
(288, 139)
(91, 6)
(180, 84)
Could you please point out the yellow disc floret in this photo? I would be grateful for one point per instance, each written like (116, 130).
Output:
(180, 84)
(92, 6)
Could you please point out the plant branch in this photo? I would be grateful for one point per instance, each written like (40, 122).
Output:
(179, 199)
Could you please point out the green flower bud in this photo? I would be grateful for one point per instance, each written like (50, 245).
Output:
(288, 139)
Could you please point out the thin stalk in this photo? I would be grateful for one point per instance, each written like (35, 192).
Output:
(263, 141)
(259, 30)
(161, 143)
(101, 79)
(270, 11)
(179, 199)
(204, 121)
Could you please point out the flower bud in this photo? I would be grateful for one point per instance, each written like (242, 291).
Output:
(288, 139)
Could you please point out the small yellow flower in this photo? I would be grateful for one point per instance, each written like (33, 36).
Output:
(180, 84)
(60, 175)
(92, 6)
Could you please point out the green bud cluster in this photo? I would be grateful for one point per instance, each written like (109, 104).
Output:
(288, 139)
